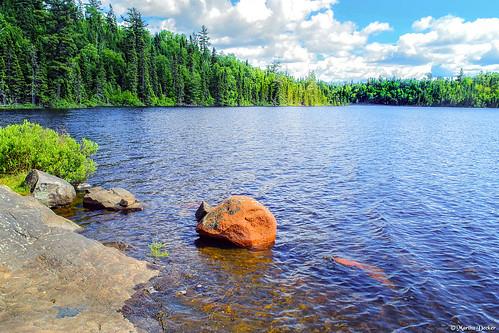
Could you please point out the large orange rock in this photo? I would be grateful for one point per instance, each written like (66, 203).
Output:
(242, 221)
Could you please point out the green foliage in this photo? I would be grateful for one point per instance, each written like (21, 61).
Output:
(157, 250)
(16, 182)
(481, 90)
(125, 98)
(29, 146)
(59, 54)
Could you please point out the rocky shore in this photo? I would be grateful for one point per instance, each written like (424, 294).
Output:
(53, 279)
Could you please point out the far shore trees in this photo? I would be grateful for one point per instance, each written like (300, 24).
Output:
(65, 53)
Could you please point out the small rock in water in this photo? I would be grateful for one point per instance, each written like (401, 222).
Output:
(83, 187)
(116, 199)
(151, 290)
(119, 245)
(182, 292)
(199, 286)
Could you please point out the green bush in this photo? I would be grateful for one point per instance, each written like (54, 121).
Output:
(163, 101)
(124, 98)
(29, 146)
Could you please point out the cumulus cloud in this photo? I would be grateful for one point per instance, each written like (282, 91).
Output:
(305, 36)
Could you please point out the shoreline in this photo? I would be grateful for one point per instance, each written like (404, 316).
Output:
(84, 107)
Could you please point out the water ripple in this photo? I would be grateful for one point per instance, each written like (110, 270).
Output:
(410, 194)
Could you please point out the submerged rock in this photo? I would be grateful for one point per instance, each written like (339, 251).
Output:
(50, 190)
(119, 245)
(242, 221)
(116, 199)
(55, 280)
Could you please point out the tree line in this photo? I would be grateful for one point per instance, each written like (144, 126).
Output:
(64, 53)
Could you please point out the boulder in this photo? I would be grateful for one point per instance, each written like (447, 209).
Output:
(203, 209)
(116, 199)
(55, 280)
(50, 190)
(242, 221)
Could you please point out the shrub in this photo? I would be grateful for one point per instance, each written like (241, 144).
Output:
(163, 101)
(124, 98)
(29, 146)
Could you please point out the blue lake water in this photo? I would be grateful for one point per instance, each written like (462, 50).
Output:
(411, 191)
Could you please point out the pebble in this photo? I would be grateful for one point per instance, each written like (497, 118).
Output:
(151, 290)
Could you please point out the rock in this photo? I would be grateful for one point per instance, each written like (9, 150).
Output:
(119, 245)
(116, 199)
(83, 187)
(55, 280)
(203, 209)
(50, 190)
(242, 221)
(151, 290)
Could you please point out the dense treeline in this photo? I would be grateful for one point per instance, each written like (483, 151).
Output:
(66, 53)
(481, 90)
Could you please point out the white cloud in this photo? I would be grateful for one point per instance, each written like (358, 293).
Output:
(305, 36)
(253, 10)
(423, 23)
(376, 27)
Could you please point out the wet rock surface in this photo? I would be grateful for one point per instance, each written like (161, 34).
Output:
(50, 190)
(242, 221)
(55, 280)
(119, 245)
(82, 187)
(115, 199)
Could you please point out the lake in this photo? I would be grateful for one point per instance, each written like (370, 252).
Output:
(412, 191)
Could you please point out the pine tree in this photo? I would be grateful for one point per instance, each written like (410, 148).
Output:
(62, 15)
(204, 39)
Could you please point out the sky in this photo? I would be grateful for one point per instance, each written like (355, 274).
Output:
(340, 40)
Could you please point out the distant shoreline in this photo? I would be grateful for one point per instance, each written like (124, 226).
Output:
(15, 107)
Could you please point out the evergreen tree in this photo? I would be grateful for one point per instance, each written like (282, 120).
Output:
(67, 52)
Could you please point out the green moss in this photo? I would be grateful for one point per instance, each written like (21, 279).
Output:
(15, 182)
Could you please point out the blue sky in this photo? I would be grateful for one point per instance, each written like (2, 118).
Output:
(401, 13)
(341, 40)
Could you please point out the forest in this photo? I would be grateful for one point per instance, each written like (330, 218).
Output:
(66, 53)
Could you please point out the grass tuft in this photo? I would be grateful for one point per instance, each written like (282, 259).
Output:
(157, 250)
(15, 182)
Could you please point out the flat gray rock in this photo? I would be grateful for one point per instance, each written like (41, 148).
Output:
(55, 280)
(116, 199)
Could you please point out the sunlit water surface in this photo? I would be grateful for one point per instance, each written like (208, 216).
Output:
(412, 191)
